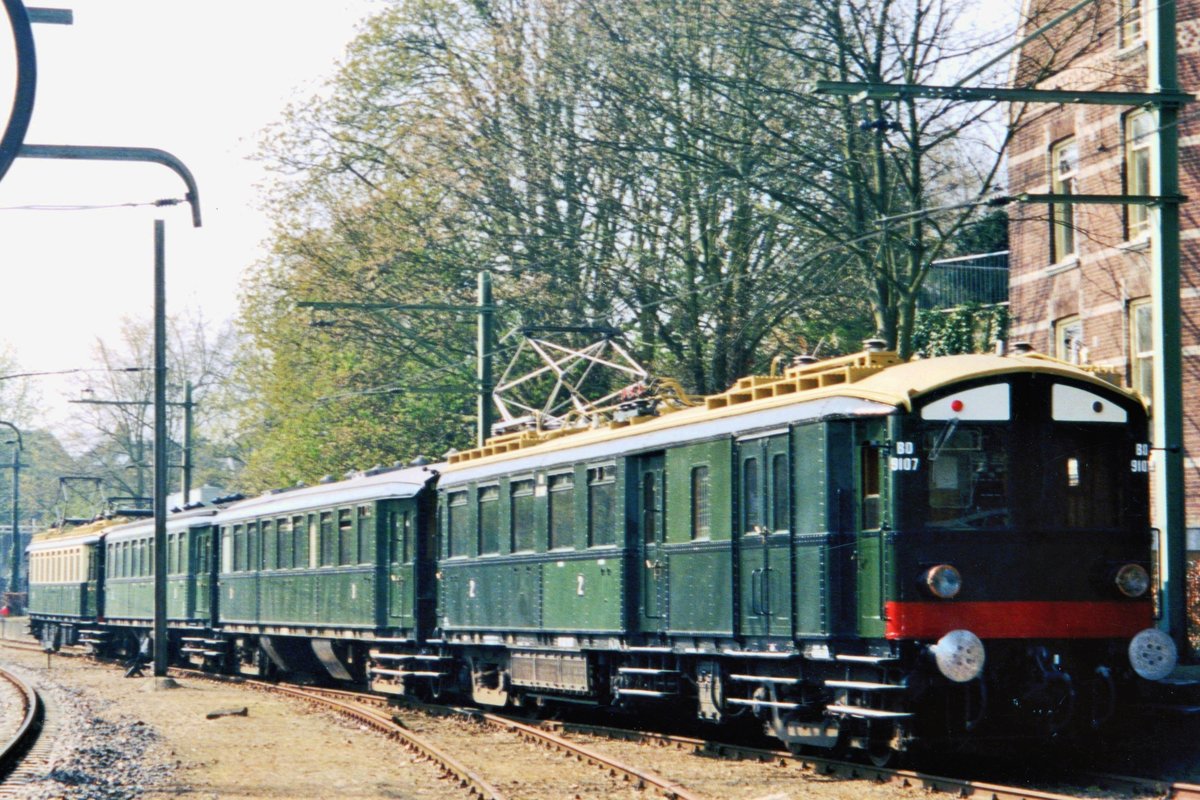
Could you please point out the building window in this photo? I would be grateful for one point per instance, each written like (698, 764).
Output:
(1139, 129)
(1141, 348)
(521, 515)
(602, 495)
(1129, 22)
(457, 524)
(489, 519)
(701, 514)
(1068, 341)
(1064, 165)
(562, 510)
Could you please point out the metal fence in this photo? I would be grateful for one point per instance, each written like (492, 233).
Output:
(954, 282)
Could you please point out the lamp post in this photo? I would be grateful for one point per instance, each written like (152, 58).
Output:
(14, 581)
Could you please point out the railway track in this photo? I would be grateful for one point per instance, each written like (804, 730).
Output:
(365, 709)
(1166, 790)
(376, 712)
(21, 756)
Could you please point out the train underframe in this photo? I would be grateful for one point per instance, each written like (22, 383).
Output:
(889, 700)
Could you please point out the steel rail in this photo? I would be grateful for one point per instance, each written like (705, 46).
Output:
(640, 778)
(467, 779)
(15, 749)
(1166, 790)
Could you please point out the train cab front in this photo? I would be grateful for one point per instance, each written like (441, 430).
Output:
(1018, 584)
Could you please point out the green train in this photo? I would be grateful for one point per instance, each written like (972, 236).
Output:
(857, 552)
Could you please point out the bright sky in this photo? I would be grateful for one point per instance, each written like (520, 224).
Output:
(198, 78)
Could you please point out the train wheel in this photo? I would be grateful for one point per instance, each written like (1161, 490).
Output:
(881, 754)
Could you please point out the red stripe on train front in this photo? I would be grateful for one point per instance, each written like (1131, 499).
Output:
(1018, 620)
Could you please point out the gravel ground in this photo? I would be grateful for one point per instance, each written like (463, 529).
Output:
(10, 710)
(124, 738)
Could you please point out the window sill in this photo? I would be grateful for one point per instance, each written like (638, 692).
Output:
(1142, 242)
(1062, 266)
(1131, 50)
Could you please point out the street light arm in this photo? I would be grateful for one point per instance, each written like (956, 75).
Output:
(101, 153)
(17, 431)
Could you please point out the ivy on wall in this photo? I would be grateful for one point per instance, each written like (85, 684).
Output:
(971, 328)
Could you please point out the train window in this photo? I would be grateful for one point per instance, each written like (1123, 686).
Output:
(347, 539)
(226, 550)
(701, 515)
(1086, 487)
(283, 543)
(602, 494)
(149, 557)
(172, 555)
(649, 508)
(562, 511)
(457, 524)
(395, 529)
(366, 535)
(521, 515)
(751, 497)
(969, 476)
(871, 487)
(239, 549)
(313, 541)
(489, 519)
(328, 541)
(270, 547)
(253, 546)
(779, 493)
(299, 542)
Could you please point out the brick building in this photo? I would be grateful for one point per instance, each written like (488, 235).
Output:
(1080, 275)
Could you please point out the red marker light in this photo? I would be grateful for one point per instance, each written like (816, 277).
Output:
(956, 406)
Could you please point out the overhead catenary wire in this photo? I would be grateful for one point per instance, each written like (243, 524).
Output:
(160, 203)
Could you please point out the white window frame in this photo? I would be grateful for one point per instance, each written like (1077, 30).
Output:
(1139, 163)
(1064, 174)
(1141, 348)
(1067, 347)
(1130, 23)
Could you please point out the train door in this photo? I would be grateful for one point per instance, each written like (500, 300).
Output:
(650, 504)
(765, 541)
(871, 461)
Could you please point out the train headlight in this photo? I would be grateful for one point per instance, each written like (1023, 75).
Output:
(1133, 580)
(959, 655)
(943, 581)
(1152, 654)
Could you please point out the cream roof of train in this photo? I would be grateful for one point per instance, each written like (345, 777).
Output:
(84, 533)
(906, 381)
(878, 378)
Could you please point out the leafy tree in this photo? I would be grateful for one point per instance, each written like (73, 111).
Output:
(655, 167)
(119, 448)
